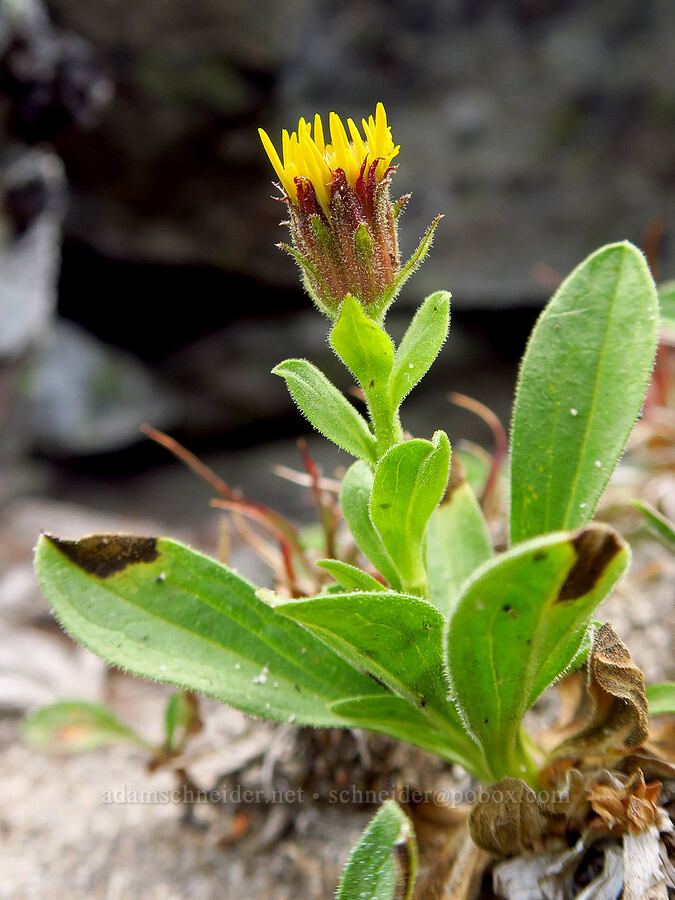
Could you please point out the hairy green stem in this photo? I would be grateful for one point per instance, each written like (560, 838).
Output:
(386, 424)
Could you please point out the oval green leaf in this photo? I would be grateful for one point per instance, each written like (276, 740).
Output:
(420, 345)
(582, 384)
(357, 486)
(383, 864)
(519, 624)
(163, 611)
(327, 409)
(409, 482)
(363, 346)
(72, 726)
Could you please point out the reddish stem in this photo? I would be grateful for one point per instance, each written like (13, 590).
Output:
(325, 512)
(284, 532)
(498, 434)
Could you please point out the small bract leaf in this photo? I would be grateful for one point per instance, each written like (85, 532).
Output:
(349, 576)
(416, 259)
(357, 486)
(383, 865)
(420, 345)
(178, 616)
(73, 726)
(409, 482)
(363, 346)
(327, 409)
(582, 384)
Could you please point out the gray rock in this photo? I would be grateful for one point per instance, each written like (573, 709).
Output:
(540, 128)
(82, 397)
(32, 188)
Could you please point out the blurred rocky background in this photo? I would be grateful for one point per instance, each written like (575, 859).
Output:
(134, 199)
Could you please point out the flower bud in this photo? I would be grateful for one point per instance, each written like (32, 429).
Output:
(341, 218)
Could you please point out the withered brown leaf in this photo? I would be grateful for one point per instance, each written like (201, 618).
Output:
(624, 806)
(617, 718)
(508, 818)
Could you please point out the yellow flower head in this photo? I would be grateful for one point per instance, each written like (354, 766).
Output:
(342, 220)
(308, 156)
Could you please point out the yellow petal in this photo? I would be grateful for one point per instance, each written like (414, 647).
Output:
(318, 134)
(381, 126)
(317, 170)
(357, 141)
(285, 147)
(286, 182)
(345, 152)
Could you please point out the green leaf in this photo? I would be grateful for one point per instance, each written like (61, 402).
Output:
(178, 715)
(364, 347)
(401, 720)
(585, 646)
(582, 384)
(657, 523)
(357, 486)
(73, 726)
(327, 409)
(383, 864)
(367, 351)
(409, 482)
(661, 698)
(411, 266)
(349, 576)
(519, 624)
(398, 639)
(476, 465)
(420, 346)
(163, 611)
(310, 278)
(458, 542)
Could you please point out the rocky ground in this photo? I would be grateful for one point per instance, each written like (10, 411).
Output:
(61, 837)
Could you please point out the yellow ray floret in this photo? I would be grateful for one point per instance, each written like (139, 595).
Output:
(304, 155)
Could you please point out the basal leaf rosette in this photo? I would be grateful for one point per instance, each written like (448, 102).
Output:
(340, 214)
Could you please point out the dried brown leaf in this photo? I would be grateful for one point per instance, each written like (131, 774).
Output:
(619, 714)
(457, 873)
(650, 760)
(508, 818)
(624, 807)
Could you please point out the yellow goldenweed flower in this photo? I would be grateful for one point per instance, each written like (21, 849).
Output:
(304, 156)
(341, 218)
